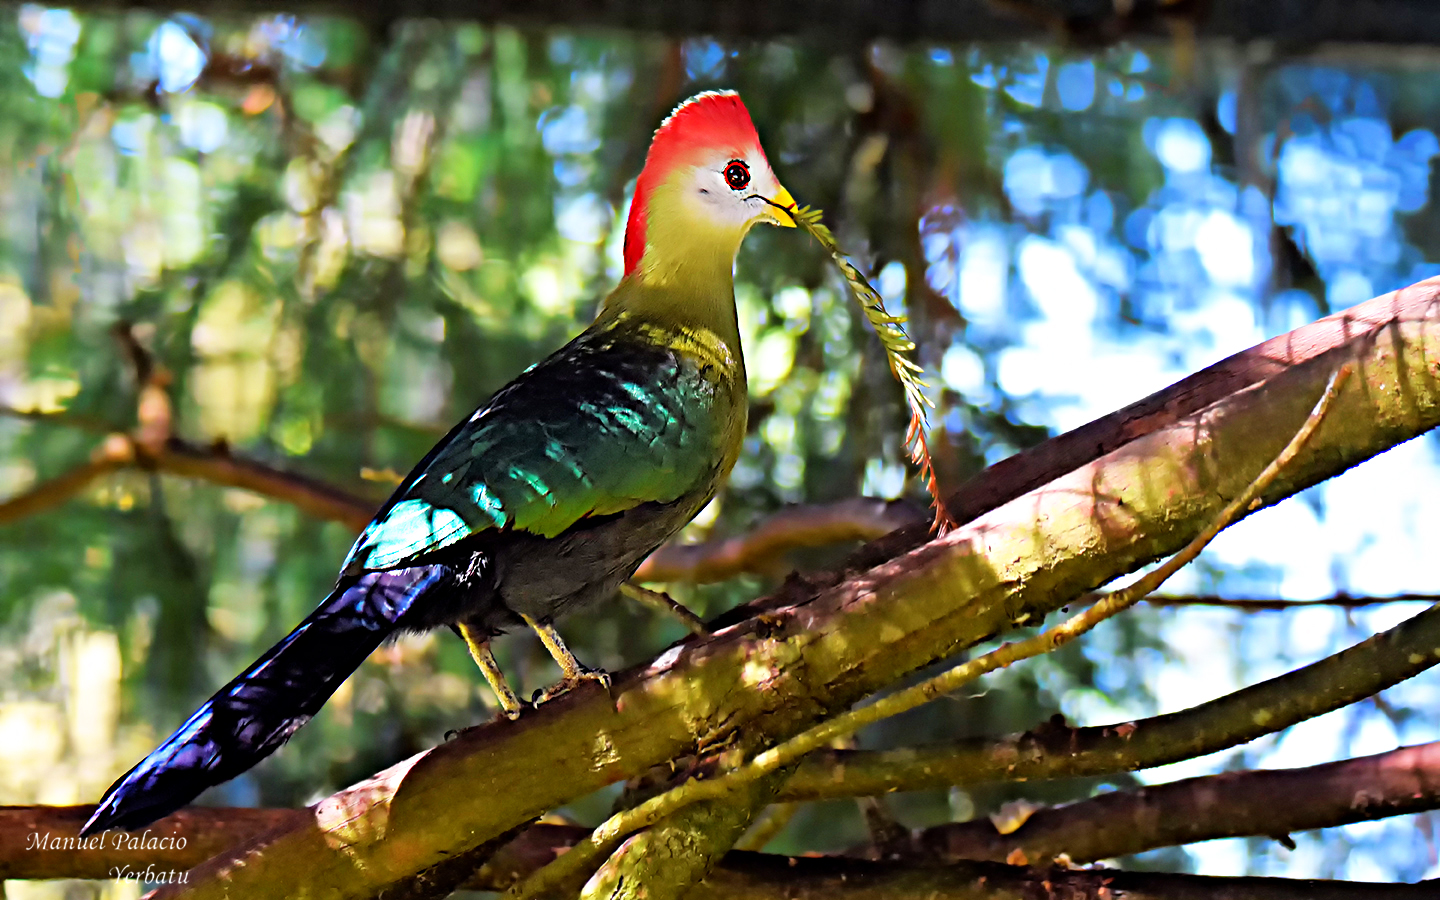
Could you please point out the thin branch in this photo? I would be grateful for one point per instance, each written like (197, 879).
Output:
(1272, 802)
(608, 835)
(62, 417)
(811, 526)
(115, 453)
(213, 464)
(659, 600)
(311, 496)
(1259, 604)
(760, 550)
(33, 415)
(768, 826)
(763, 548)
(1057, 750)
(152, 446)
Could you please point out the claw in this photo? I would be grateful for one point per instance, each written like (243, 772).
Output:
(569, 683)
(574, 673)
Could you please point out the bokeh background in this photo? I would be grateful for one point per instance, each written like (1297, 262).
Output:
(337, 239)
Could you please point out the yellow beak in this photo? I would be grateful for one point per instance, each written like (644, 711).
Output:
(780, 216)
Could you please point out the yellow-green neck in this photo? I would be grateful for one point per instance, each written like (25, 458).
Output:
(684, 280)
(680, 303)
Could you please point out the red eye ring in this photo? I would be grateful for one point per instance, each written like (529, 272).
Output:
(737, 174)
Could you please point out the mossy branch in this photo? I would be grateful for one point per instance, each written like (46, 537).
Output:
(665, 862)
(608, 835)
(1053, 750)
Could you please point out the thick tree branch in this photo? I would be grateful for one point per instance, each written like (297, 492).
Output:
(43, 841)
(740, 874)
(814, 652)
(1233, 804)
(1053, 750)
(1056, 750)
(845, 724)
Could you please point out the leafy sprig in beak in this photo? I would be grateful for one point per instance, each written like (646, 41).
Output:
(891, 331)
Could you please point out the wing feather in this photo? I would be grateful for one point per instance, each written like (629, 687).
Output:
(601, 426)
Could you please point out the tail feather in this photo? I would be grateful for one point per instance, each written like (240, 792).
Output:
(257, 712)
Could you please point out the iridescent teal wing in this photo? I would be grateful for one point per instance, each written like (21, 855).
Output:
(603, 425)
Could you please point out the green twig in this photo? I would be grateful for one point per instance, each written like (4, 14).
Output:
(768, 826)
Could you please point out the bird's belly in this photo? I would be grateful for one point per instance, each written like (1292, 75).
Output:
(545, 578)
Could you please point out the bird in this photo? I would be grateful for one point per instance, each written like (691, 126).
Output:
(550, 494)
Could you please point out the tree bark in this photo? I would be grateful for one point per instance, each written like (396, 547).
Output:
(815, 652)
(1053, 750)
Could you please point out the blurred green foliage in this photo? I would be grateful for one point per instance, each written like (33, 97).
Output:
(337, 242)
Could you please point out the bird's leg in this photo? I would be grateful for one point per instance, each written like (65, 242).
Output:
(480, 652)
(572, 669)
(665, 603)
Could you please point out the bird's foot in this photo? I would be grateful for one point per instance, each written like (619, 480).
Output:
(572, 680)
(573, 671)
(479, 647)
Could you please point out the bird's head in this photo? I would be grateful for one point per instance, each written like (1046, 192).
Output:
(706, 181)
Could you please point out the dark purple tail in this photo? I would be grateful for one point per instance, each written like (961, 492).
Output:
(257, 712)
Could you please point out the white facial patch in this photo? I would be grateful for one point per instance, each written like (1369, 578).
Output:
(712, 193)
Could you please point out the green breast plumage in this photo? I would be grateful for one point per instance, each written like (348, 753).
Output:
(625, 414)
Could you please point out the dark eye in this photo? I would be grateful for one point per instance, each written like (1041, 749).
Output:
(737, 174)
